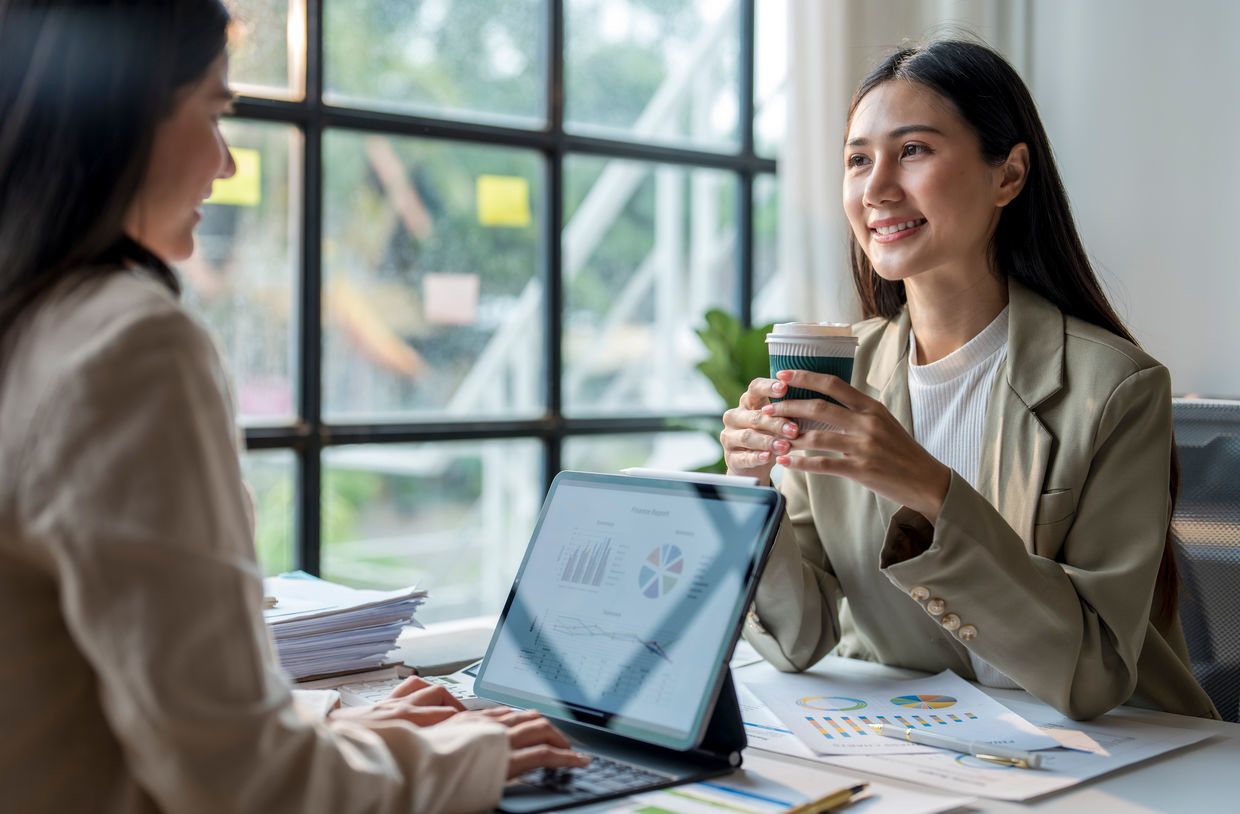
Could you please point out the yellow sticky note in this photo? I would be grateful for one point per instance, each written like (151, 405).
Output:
(245, 188)
(503, 200)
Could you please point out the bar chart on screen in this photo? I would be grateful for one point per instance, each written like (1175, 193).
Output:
(584, 560)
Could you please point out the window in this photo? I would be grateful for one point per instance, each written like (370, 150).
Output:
(466, 247)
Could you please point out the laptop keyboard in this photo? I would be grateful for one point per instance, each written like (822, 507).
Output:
(601, 778)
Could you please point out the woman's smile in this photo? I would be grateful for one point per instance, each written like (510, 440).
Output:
(889, 230)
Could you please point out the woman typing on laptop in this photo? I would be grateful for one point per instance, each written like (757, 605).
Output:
(994, 490)
(138, 675)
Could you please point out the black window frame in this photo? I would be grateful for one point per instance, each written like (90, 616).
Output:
(309, 434)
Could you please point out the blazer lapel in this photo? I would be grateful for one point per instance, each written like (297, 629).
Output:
(1016, 446)
(887, 381)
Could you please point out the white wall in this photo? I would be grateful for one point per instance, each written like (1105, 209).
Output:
(1141, 102)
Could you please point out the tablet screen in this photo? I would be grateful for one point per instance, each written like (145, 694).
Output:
(628, 601)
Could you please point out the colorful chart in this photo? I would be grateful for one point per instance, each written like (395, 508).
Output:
(831, 703)
(845, 726)
(661, 571)
(924, 701)
(832, 727)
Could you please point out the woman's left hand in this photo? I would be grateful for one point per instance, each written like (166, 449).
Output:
(877, 452)
(414, 700)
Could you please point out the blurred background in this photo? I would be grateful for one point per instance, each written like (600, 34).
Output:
(470, 242)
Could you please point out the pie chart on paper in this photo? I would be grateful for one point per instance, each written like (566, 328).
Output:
(660, 571)
(924, 701)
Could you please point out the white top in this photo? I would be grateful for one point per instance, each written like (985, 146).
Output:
(949, 399)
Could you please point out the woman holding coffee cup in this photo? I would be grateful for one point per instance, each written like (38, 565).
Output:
(990, 491)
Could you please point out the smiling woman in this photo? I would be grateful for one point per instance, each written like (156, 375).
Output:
(993, 490)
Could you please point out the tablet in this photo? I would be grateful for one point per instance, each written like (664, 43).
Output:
(628, 603)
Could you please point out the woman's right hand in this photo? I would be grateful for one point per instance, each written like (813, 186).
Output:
(751, 440)
(533, 743)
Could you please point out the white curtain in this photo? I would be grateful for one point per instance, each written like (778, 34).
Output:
(832, 45)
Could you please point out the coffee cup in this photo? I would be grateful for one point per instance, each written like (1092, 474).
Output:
(820, 347)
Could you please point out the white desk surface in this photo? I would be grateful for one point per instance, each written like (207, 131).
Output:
(1204, 777)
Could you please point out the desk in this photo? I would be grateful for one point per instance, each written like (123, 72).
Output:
(1204, 777)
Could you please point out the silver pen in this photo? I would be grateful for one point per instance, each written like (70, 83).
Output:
(982, 751)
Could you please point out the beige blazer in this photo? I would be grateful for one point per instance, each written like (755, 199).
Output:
(136, 673)
(1046, 571)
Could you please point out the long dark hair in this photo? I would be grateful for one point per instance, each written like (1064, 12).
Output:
(1036, 241)
(83, 86)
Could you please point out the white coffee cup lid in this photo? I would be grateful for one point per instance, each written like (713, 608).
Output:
(811, 329)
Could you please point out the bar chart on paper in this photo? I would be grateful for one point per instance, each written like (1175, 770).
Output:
(832, 727)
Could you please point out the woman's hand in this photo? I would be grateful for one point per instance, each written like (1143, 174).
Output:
(877, 452)
(752, 439)
(413, 700)
(533, 743)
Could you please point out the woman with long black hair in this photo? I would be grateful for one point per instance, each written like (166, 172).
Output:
(137, 674)
(995, 492)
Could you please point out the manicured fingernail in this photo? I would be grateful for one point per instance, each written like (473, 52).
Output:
(784, 375)
(782, 446)
(790, 429)
(783, 460)
(768, 409)
(778, 388)
(764, 456)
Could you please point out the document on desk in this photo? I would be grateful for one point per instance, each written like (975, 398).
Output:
(832, 716)
(766, 785)
(1105, 745)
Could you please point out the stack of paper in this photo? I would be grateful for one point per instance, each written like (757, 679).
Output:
(321, 628)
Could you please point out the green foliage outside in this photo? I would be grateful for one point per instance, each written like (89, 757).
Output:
(736, 355)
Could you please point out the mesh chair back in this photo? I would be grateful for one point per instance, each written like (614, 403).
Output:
(1206, 526)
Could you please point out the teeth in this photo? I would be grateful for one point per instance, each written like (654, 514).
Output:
(899, 227)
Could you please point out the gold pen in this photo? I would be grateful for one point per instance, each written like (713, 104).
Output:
(835, 799)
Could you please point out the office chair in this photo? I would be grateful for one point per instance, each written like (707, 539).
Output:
(1206, 526)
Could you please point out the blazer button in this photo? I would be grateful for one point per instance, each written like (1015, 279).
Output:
(967, 633)
(951, 621)
(936, 606)
(921, 593)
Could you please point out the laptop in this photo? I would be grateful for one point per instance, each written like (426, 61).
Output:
(619, 627)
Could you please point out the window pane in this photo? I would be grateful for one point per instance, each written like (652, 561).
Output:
(240, 277)
(267, 54)
(653, 72)
(663, 450)
(477, 59)
(770, 76)
(648, 249)
(770, 303)
(452, 517)
(432, 300)
(269, 476)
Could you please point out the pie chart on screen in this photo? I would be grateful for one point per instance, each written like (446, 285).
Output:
(660, 571)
